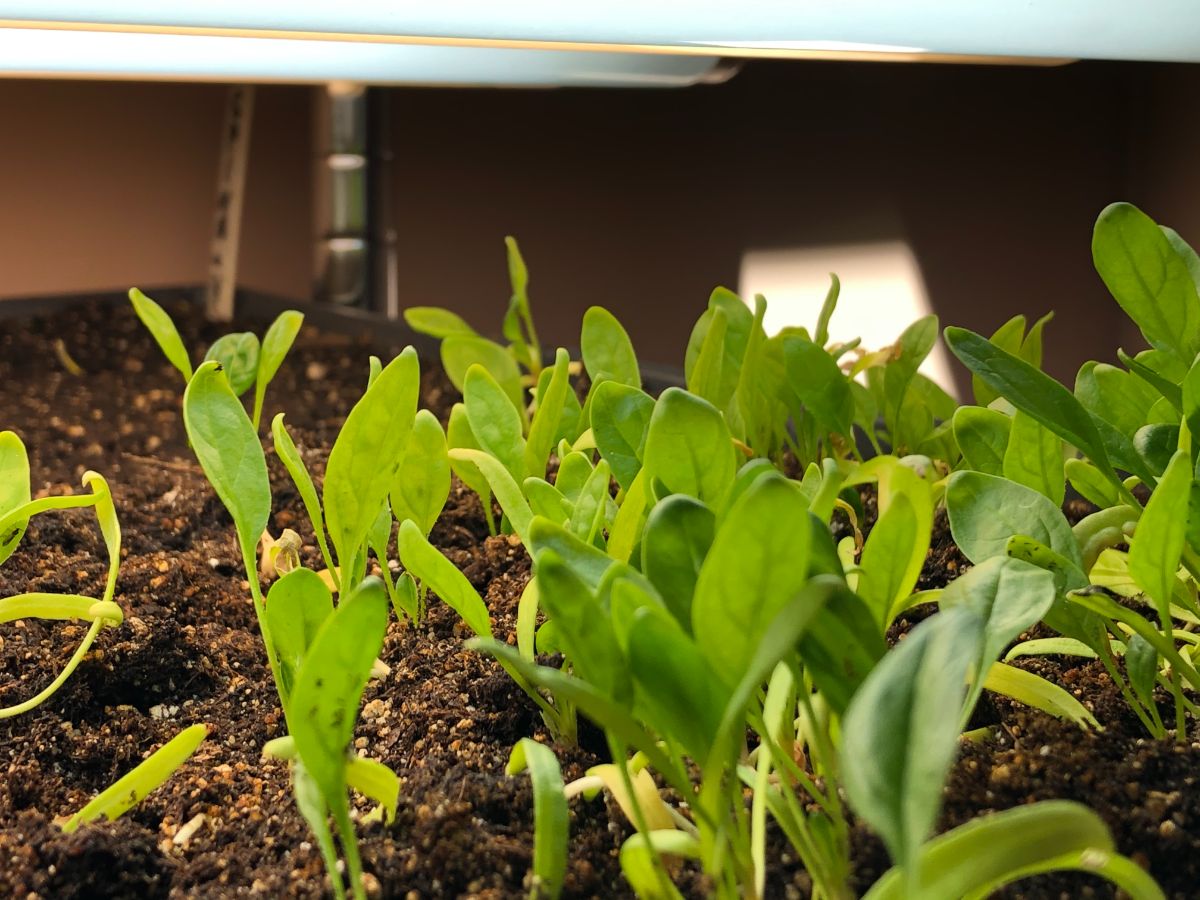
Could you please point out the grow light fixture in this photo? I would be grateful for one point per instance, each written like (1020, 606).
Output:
(1157, 30)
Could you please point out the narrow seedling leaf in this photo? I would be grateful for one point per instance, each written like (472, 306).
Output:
(127, 791)
(163, 330)
(551, 818)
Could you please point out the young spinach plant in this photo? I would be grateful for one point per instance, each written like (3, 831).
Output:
(247, 362)
(16, 509)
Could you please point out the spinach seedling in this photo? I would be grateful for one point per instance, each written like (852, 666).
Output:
(16, 509)
(130, 789)
(247, 362)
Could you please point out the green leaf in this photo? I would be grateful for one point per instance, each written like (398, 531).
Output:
(495, 421)
(129, 790)
(460, 352)
(738, 323)
(638, 858)
(621, 423)
(1115, 395)
(1031, 347)
(436, 322)
(585, 560)
(900, 733)
(742, 584)
(1148, 278)
(1155, 368)
(275, 346)
(163, 330)
(893, 555)
(362, 464)
(460, 437)
(431, 568)
(585, 630)
(329, 686)
(377, 782)
(1038, 693)
(1141, 662)
(978, 858)
(817, 384)
(986, 511)
(760, 389)
(1008, 336)
(507, 491)
(14, 489)
(422, 482)
(544, 429)
(238, 354)
(983, 437)
(821, 335)
(1008, 596)
(679, 532)
(841, 647)
(607, 351)
(297, 606)
(592, 504)
(229, 452)
(1031, 391)
(915, 343)
(683, 696)
(551, 818)
(689, 447)
(1091, 485)
(1159, 539)
(1034, 458)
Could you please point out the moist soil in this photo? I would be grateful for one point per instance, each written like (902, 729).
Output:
(443, 718)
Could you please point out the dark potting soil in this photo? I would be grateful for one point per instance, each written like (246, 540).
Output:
(443, 718)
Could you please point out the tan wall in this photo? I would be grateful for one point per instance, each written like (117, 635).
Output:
(641, 201)
(107, 185)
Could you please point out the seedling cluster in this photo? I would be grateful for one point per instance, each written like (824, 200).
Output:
(733, 652)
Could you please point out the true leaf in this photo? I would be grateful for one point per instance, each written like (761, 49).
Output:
(679, 532)
(286, 450)
(620, 419)
(1031, 391)
(297, 606)
(1034, 458)
(1008, 596)
(1148, 278)
(985, 511)
(741, 586)
(436, 322)
(684, 696)
(982, 436)
(238, 354)
(688, 446)
(607, 351)
(324, 703)
(900, 733)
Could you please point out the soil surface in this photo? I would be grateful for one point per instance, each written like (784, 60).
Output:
(443, 718)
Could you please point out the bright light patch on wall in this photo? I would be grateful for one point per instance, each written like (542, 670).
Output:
(882, 293)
